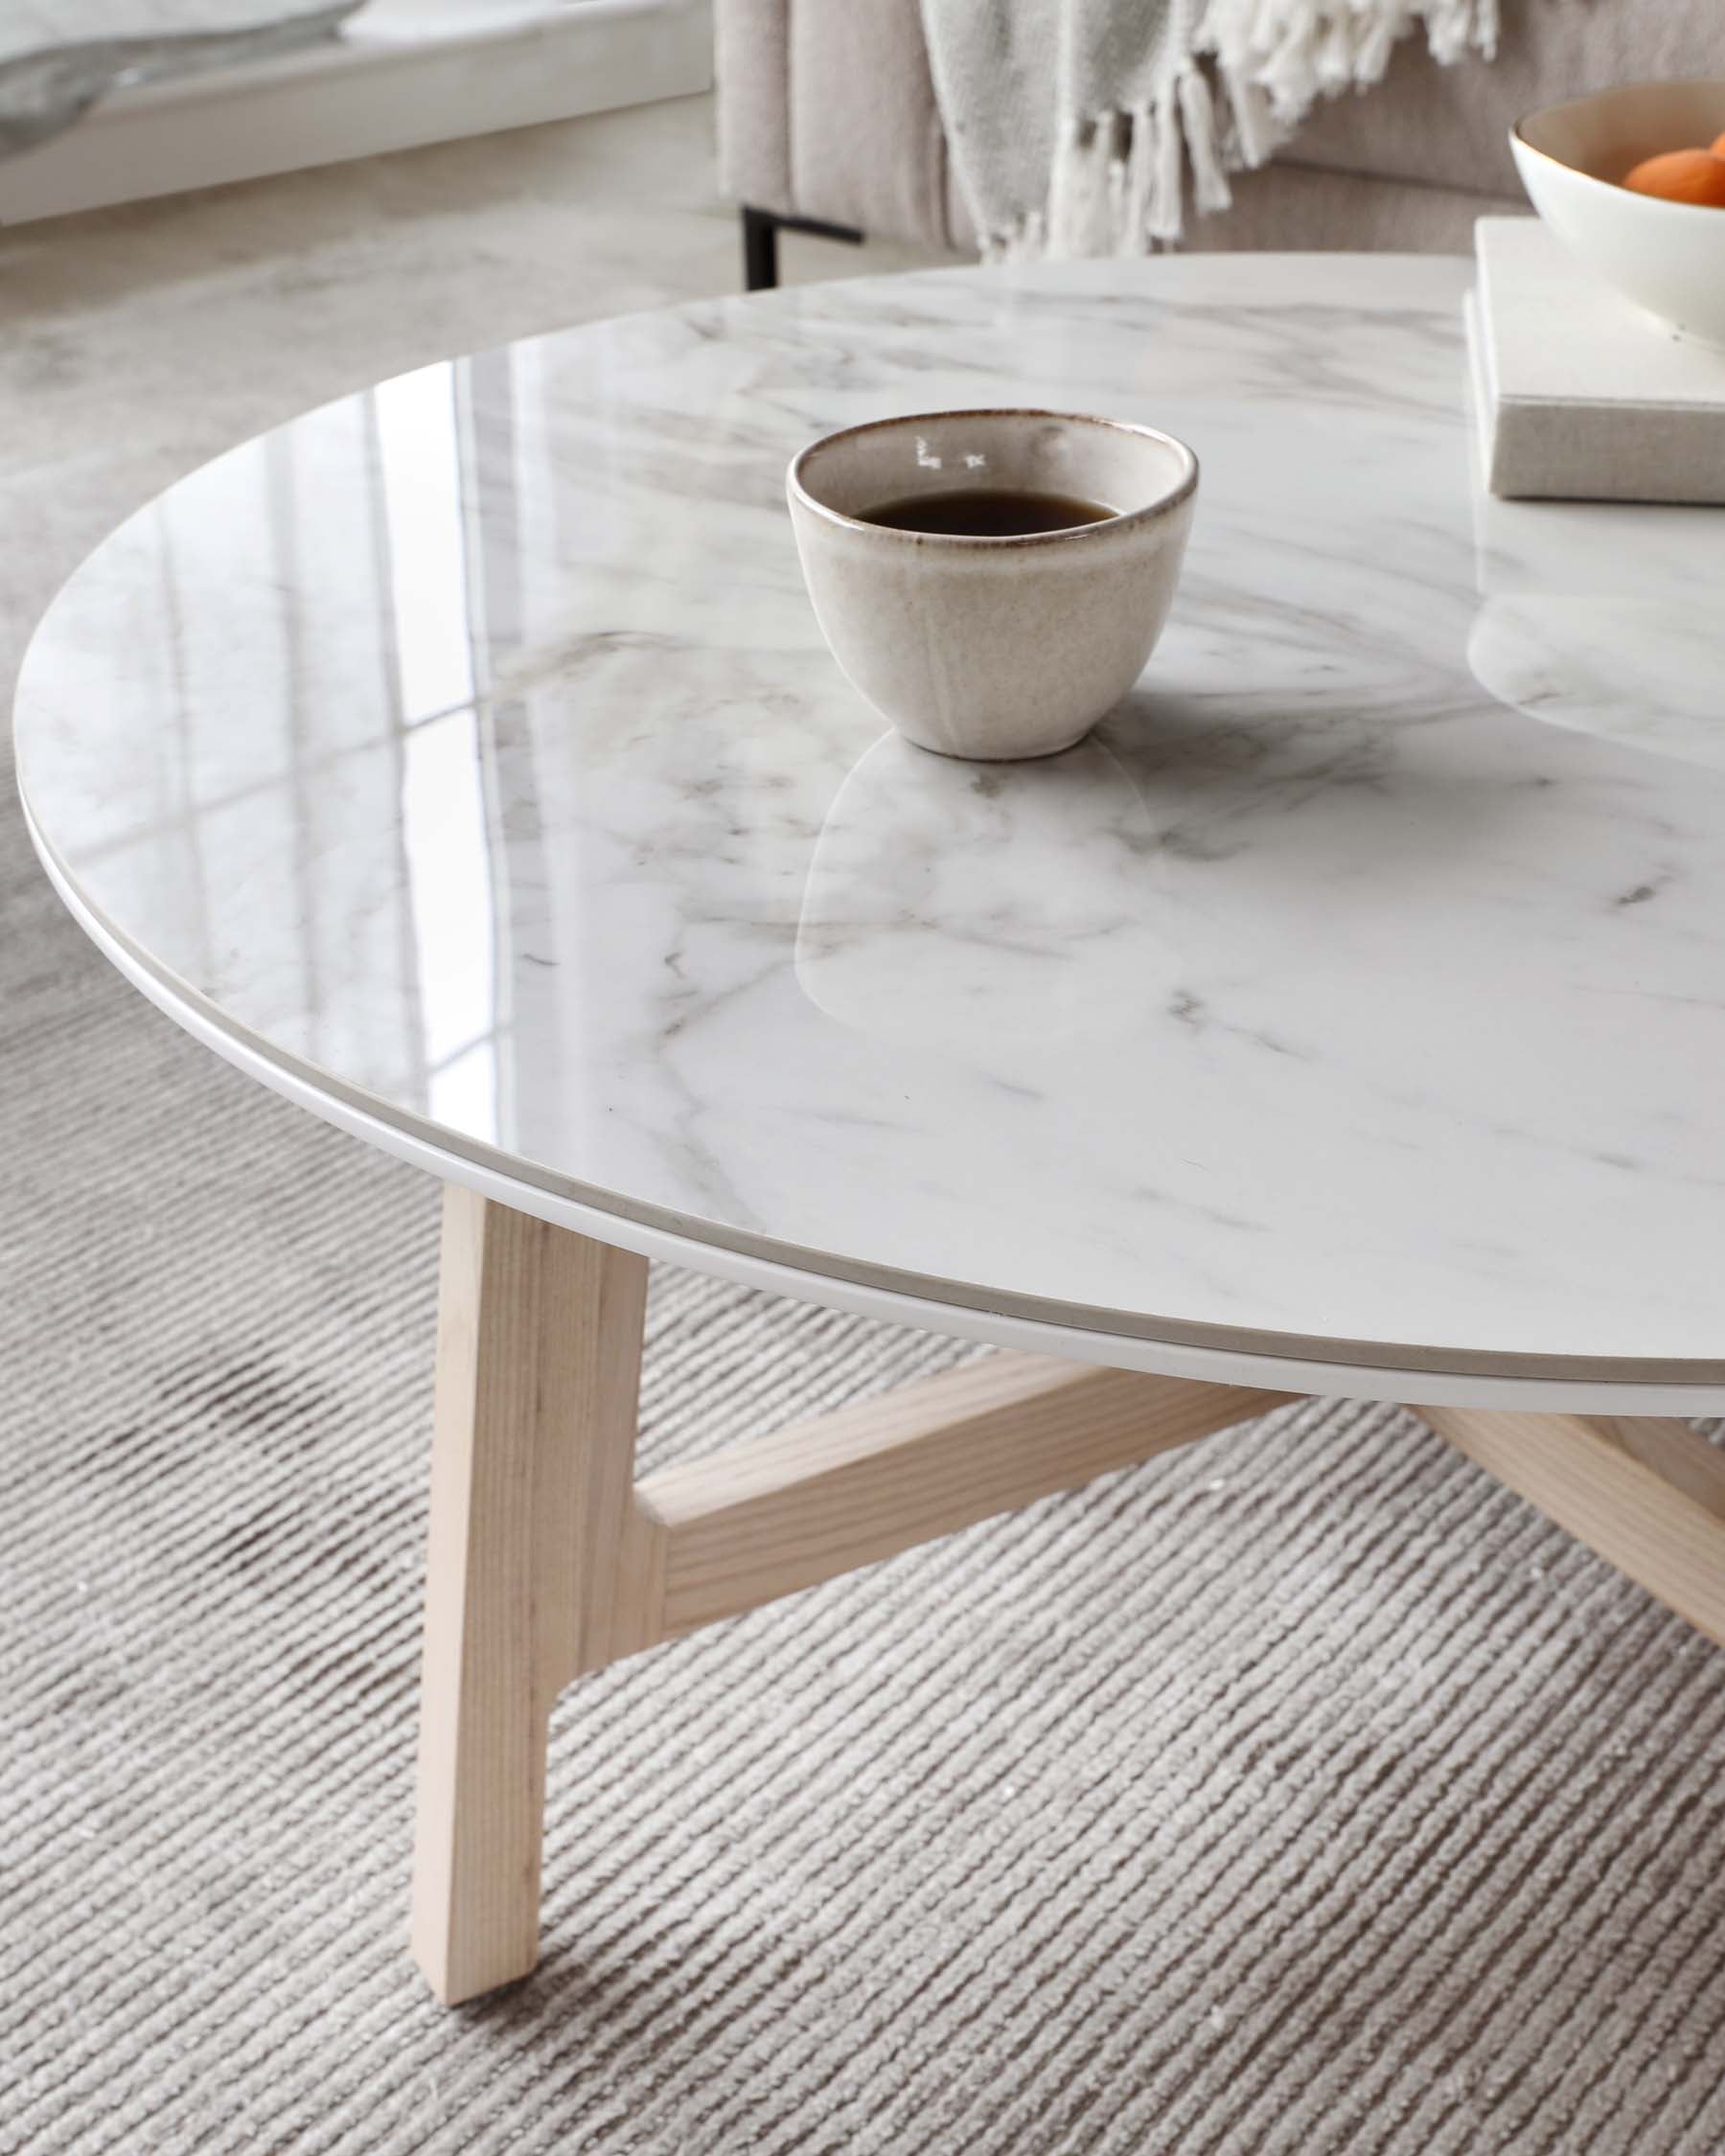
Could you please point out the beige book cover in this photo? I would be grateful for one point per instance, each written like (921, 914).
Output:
(1580, 394)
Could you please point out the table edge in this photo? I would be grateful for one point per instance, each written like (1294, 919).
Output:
(1356, 1369)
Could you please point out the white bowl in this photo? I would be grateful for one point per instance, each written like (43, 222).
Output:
(1668, 257)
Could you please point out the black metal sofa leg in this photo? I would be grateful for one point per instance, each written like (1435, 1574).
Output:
(761, 229)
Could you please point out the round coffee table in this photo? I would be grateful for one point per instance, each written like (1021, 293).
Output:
(464, 762)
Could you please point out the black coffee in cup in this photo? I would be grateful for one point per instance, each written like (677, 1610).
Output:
(985, 512)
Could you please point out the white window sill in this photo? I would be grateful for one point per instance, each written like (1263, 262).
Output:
(405, 72)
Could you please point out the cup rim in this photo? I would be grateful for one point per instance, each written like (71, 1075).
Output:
(1146, 513)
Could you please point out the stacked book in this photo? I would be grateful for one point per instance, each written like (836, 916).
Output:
(1580, 395)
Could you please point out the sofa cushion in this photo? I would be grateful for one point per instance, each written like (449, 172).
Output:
(829, 112)
(858, 75)
(751, 59)
(1305, 211)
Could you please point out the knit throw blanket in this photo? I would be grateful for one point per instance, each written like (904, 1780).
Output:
(1074, 125)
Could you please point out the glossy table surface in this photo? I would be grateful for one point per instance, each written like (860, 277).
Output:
(466, 758)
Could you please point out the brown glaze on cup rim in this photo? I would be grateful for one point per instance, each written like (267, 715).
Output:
(1181, 490)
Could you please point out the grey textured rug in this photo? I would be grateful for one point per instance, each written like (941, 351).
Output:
(1302, 1793)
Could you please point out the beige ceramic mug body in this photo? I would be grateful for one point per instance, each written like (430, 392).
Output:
(993, 648)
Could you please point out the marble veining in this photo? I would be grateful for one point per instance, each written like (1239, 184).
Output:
(1362, 980)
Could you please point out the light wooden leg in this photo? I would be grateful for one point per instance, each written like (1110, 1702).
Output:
(1644, 1491)
(783, 1512)
(547, 1559)
(533, 1568)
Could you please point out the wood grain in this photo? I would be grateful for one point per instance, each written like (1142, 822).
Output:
(1644, 1491)
(546, 1559)
(786, 1511)
(539, 1564)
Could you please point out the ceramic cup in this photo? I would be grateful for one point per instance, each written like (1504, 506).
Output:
(993, 648)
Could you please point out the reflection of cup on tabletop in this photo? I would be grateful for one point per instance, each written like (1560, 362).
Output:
(1004, 644)
(1007, 914)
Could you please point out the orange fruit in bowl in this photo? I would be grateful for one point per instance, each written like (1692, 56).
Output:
(1717, 146)
(1682, 176)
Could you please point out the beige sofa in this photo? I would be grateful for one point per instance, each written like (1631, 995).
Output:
(827, 120)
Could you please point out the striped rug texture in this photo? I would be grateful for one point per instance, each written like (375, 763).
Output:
(1302, 1792)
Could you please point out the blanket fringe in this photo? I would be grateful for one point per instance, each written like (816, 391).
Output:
(1165, 218)
(1138, 182)
(1211, 190)
(1255, 134)
(1298, 50)
(1118, 178)
(1081, 188)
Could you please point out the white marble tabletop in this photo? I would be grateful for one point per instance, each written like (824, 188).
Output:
(468, 751)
